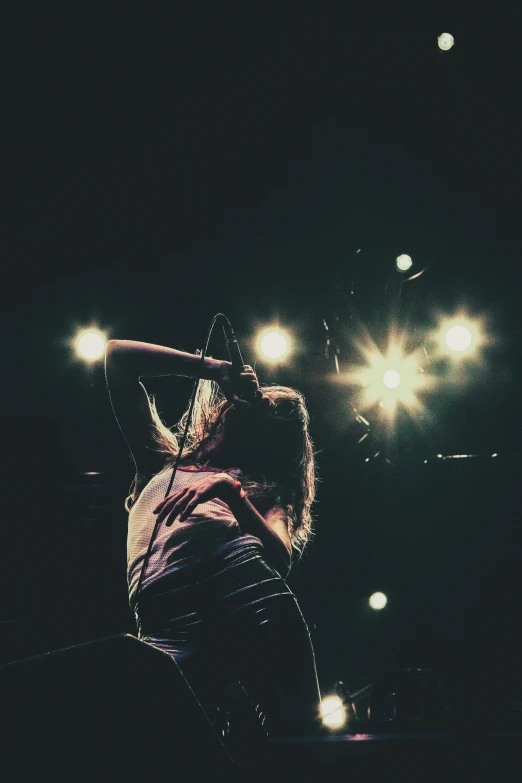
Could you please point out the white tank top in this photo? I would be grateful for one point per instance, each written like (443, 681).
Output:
(210, 524)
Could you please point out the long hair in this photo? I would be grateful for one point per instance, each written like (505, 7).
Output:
(284, 472)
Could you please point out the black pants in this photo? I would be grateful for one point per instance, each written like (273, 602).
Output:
(230, 617)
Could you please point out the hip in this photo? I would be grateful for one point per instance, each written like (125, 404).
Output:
(229, 576)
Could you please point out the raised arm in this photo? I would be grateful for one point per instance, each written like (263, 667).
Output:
(129, 360)
(126, 361)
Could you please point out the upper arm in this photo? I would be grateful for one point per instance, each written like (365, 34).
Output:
(131, 407)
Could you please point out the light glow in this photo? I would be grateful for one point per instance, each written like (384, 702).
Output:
(333, 711)
(90, 345)
(273, 344)
(460, 336)
(446, 41)
(390, 379)
(378, 601)
(403, 263)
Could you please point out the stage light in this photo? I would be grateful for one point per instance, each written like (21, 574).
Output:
(459, 336)
(446, 41)
(403, 263)
(378, 601)
(273, 344)
(90, 345)
(390, 379)
(333, 712)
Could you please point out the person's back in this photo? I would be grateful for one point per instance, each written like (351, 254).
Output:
(206, 576)
(209, 526)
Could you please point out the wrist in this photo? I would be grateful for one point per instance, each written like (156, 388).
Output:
(234, 490)
(222, 372)
(213, 369)
(238, 489)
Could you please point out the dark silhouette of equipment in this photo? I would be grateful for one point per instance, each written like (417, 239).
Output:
(118, 708)
(111, 706)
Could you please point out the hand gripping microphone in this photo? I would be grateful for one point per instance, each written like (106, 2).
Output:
(235, 357)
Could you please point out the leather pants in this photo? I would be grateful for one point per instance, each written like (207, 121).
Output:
(230, 617)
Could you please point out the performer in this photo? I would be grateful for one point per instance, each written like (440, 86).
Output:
(213, 593)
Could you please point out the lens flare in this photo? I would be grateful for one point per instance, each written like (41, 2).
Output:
(390, 379)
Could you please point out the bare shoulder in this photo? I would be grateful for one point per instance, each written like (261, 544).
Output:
(277, 514)
(277, 518)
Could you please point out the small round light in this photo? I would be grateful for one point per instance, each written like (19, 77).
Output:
(391, 379)
(90, 345)
(403, 263)
(446, 41)
(378, 601)
(458, 338)
(273, 345)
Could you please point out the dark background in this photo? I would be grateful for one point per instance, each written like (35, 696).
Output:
(161, 166)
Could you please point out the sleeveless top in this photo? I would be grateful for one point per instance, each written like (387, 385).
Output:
(209, 525)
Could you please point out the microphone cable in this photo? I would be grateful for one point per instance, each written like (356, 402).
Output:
(182, 446)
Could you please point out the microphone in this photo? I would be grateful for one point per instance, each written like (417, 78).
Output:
(233, 348)
(235, 358)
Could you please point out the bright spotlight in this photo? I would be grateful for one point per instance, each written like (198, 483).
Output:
(403, 263)
(333, 712)
(378, 601)
(273, 344)
(458, 338)
(391, 379)
(90, 345)
(446, 41)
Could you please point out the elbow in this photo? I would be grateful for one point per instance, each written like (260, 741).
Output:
(116, 372)
(113, 351)
(110, 347)
(109, 355)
